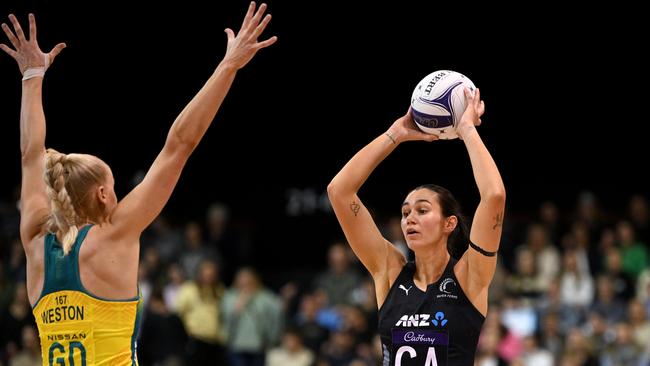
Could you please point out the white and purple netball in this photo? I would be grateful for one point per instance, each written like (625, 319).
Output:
(438, 102)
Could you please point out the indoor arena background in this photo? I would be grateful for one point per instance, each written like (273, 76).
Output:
(566, 103)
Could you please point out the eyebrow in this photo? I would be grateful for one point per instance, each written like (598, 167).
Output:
(418, 201)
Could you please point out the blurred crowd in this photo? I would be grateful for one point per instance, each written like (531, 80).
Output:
(572, 288)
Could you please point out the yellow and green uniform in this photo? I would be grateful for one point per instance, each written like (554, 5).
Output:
(75, 327)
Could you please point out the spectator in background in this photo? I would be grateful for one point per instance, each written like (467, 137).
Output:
(198, 306)
(633, 252)
(549, 218)
(252, 319)
(623, 351)
(589, 213)
(643, 289)
(153, 266)
(498, 290)
(329, 317)
(195, 251)
(292, 352)
(552, 336)
(519, 317)
(340, 279)
(14, 318)
(545, 255)
(565, 314)
(639, 216)
(576, 283)
(339, 349)
(356, 321)
(606, 302)
(487, 353)
(222, 238)
(607, 240)
(622, 283)
(163, 339)
(217, 219)
(30, 355)
(166, 238)
(597, 332)
(533, 354)
(173, 285)
(578, 349)
(312, 333)
(640, 323)
(369, 354)
(579, 241)
(525, 281)
(364, 298)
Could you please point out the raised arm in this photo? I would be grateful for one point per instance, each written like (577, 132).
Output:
(375, 252)
(32, 63)
(141, 206)
(488, 219)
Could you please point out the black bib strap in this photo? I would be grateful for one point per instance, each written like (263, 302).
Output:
(481, 250)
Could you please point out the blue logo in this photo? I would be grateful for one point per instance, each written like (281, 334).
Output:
(439, 318)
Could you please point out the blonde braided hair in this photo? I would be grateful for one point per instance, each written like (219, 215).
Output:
(69, 179)
(63, 218)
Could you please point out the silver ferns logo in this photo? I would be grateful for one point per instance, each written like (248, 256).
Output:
(446, 287)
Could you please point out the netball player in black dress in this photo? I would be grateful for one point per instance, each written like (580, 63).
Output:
(431, 310)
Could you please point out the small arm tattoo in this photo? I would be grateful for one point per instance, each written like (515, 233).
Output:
(498, 221)
(355, 207)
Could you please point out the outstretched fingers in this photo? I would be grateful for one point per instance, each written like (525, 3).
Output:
(56, 50)
(255, 21)
(260, 27)
(19, 30)
(12, 38)
(254, 25)
(267, 43)
(32, 28)
(249, 15)
(8, 50)
(243, 45)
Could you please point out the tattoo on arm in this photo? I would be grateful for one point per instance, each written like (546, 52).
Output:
(498, 221)
(355, 207)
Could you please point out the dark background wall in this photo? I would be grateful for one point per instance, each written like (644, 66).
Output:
(565, 92)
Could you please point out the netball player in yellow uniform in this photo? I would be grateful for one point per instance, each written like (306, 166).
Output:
(82, 245)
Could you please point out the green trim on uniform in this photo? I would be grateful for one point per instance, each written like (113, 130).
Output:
(136, 330)
(61, 271)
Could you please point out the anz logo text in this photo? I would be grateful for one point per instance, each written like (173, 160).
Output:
(415, 320)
